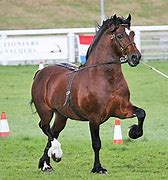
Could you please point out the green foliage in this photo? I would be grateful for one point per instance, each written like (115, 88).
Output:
(145, 158)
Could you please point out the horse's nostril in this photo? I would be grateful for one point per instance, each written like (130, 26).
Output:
(135, 58)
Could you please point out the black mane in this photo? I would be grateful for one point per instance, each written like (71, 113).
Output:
(101, 29)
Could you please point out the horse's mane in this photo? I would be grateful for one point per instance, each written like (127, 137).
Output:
(102, 28)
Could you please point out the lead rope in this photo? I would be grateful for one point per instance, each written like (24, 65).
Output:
(154, 69)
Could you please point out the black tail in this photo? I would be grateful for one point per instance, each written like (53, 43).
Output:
(31, 105)
(31, 101)
(36, 74)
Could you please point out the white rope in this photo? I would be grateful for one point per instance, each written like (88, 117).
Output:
(156, 70)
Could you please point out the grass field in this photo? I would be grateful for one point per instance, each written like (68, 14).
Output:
(29, 14)
(145, 158)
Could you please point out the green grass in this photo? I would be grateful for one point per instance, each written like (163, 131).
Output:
(145, 158)
(29, 14)
(132, 161)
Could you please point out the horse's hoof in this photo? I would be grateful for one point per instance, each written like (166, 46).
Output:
(135, 132)
(45, 167)
(55, 158)
(99, 170)
(103, 172)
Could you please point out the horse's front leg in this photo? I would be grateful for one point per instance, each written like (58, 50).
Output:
(96, 145)
(136, 131)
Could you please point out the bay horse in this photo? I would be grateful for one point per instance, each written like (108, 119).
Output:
(93, 92)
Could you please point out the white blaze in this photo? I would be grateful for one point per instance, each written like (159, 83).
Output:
(127, 31)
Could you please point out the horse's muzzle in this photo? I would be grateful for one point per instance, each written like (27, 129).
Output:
(133, 59)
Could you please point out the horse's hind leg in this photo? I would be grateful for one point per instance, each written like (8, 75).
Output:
(58, 126)
(44, 124)
(53, 147)
(136, 131)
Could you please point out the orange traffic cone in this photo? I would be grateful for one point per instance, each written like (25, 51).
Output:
(4, 127)
(117, 132)
(41, 65)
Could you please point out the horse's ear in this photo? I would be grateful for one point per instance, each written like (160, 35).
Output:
(129, 18)
(114, 19)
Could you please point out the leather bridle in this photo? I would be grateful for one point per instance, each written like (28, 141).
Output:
(123, 49)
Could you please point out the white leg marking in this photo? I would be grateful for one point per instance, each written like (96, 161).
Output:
(45, 166)
(55, 149)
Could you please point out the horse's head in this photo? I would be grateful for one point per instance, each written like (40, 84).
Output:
(123, 40)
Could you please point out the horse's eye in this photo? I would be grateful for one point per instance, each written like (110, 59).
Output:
(120, 36)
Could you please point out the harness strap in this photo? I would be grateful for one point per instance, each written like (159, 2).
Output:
(123, 60)
(68, 92)
(69, 100)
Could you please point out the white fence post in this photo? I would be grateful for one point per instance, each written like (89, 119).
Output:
(71, 47)
(138, 39)
(2, 40)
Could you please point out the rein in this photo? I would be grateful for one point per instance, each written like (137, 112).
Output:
(123, 60)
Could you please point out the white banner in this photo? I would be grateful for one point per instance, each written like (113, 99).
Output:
(33, 48)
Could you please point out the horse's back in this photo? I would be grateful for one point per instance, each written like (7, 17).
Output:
(43, 76)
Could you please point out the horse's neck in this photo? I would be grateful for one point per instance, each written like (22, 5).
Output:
(103, 52)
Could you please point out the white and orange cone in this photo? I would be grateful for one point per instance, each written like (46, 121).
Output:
(4, 127)
(41, 65)
(117, 132)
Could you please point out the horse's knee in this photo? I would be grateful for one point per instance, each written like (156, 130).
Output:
(44, 127)
(46, 130)
(58, 125)
(140, 113)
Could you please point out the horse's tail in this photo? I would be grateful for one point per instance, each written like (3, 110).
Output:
(31, 101)
(31, 105)
(35, 74)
